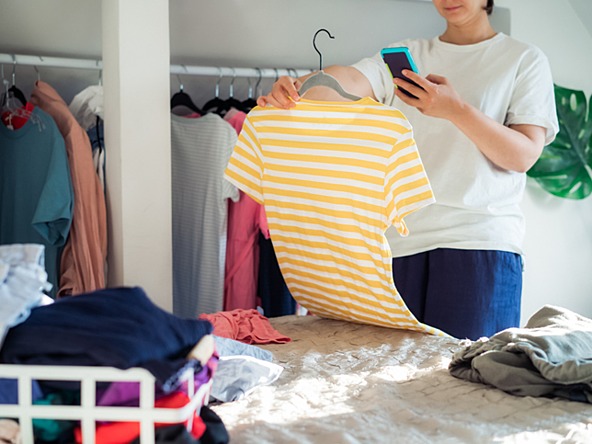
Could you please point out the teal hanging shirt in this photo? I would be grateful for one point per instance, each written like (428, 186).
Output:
(36, 195)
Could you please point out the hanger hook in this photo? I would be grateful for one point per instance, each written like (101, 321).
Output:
(231, 87)
(180, 82)
(314, 45)
(250, 90)
(13, 70)
(258, 80)
(100, 68)
(277, 74)
(38, 73)
(220, 73)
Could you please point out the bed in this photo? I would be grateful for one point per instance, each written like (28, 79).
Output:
(349, 383)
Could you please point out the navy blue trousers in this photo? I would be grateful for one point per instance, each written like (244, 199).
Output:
(465, 293)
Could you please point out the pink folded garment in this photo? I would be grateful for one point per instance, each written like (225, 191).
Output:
(248, 326)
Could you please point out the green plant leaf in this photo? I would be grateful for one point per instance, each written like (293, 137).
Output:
(565, 166)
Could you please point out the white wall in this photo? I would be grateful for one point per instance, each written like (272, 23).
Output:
(138, 146)
(278, 33)
(559, 232)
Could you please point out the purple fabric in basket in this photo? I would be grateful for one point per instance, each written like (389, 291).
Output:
(127, 394)
(118, 327)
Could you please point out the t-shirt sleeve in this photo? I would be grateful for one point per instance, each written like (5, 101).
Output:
(407, 188)
(377, 73)
(229, 190)
(53, 214)
(245, 168)
(533, 100)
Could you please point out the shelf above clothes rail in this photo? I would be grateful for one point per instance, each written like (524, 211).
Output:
(95, 64)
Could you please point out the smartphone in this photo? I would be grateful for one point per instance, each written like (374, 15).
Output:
(397, 59)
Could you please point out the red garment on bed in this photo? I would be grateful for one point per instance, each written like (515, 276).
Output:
(248, 326)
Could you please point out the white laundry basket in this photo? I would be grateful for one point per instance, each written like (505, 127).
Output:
(88, 412)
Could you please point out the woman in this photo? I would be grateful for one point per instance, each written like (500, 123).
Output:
(481, 118)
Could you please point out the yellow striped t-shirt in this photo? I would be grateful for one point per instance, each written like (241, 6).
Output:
(333, 176)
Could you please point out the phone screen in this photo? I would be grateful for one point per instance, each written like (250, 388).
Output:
(398, 59)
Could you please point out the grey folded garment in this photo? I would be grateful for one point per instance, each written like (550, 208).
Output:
(232, 347)
(237, 376)
(550, 356)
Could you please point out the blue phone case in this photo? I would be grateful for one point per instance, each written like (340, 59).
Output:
(397, 59)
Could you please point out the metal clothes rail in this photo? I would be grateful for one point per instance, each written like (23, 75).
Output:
(213, 71)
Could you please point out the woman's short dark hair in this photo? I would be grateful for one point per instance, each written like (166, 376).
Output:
(489, 7)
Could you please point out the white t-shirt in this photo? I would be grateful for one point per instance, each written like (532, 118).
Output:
(477, 204)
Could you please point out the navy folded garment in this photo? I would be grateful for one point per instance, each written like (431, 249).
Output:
(118, 327)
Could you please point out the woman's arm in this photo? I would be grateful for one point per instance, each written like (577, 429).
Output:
(514, 148)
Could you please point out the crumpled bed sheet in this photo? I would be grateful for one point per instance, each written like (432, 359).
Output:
(351, 383)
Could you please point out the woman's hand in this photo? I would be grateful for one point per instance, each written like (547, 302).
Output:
(514, 148)
(435, 98)
(283, 94)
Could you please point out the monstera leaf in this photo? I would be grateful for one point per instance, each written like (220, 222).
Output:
(565, 166)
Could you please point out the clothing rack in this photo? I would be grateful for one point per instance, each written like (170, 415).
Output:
(90, 64)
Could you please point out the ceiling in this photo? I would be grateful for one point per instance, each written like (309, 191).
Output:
(230, 32)
(583, 9)
(72, 28)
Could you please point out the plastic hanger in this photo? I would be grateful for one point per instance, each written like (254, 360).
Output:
(181, 98)
(10, 110)
(257, 91)
(321, 78)
(16, 93)
(216, 101)
(231, 101)
(250, 102)
(6, 104)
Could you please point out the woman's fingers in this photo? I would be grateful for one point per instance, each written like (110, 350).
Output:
(283, 94)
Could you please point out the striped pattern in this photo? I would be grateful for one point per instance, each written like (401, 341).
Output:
(333, 176)
(200, 149)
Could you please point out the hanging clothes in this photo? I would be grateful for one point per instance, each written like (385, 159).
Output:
(252, 275)
(242, 247)
(87, 107)
(37, 199)
(275, 297)
(200, 149)
(16, 120)
(83, 258)
(333, 177)
(97, 144)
